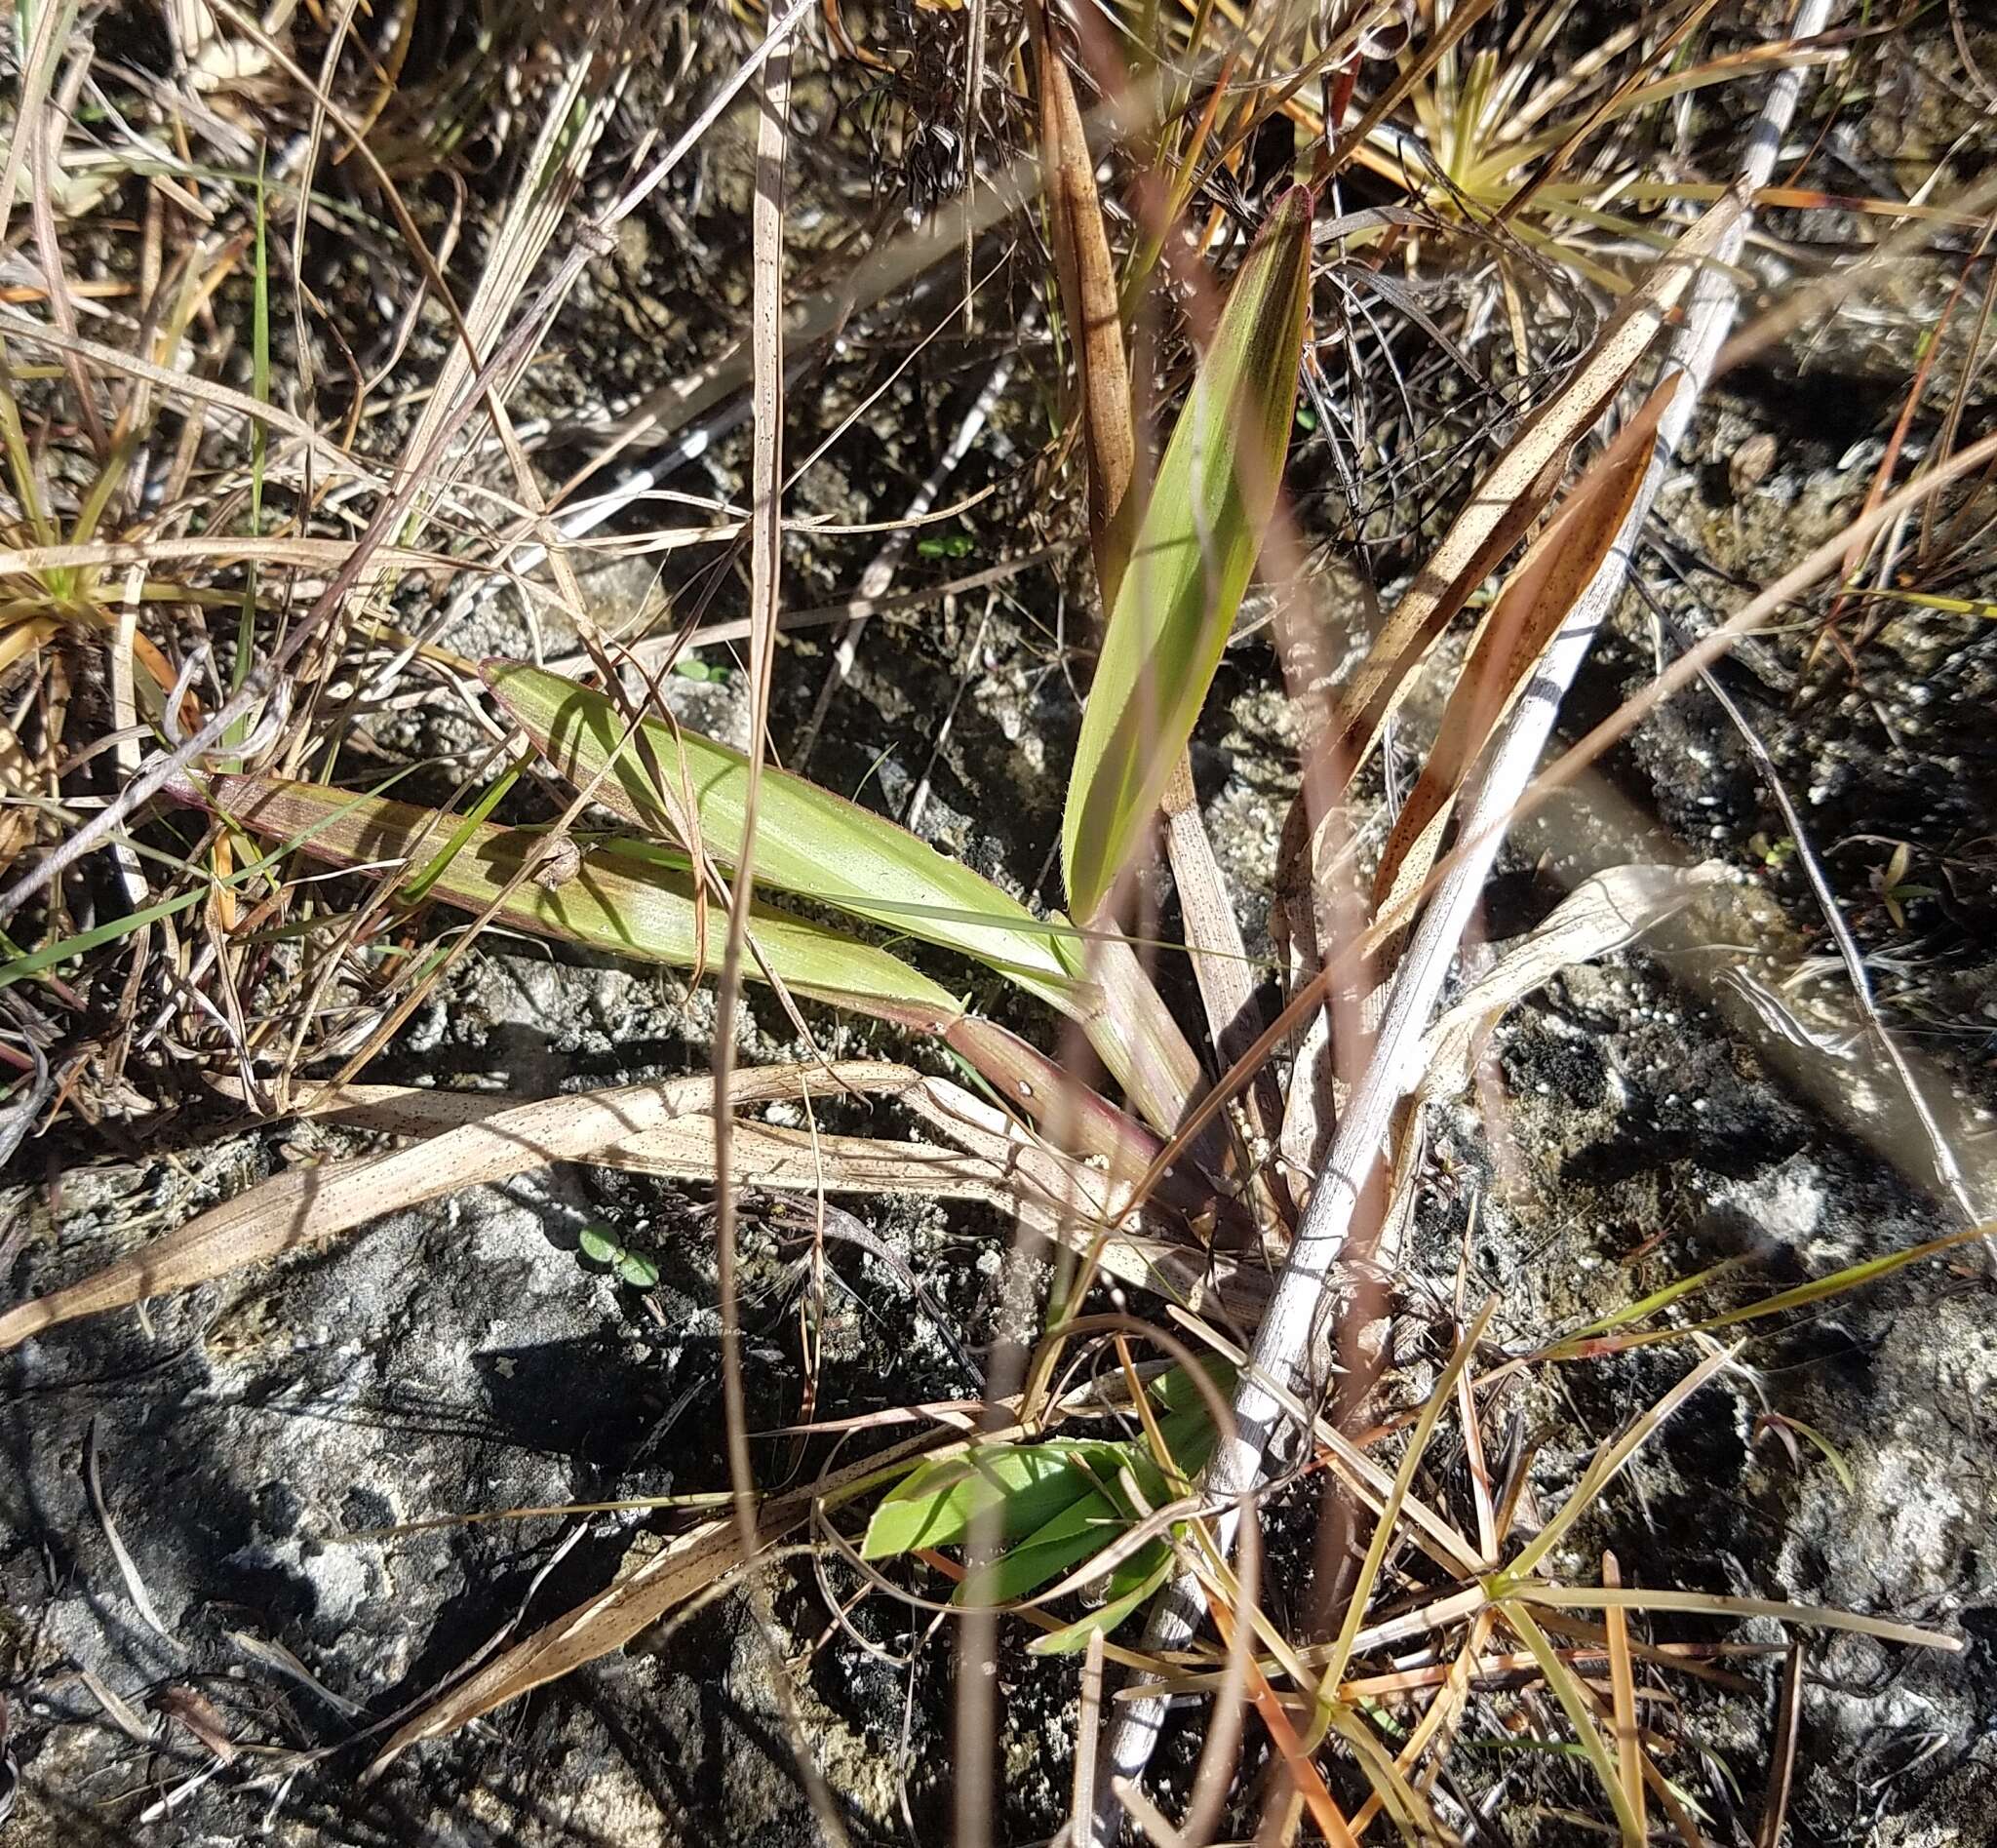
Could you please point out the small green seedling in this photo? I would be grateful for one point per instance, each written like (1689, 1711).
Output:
(692, 667)
(636, 1267)
(945, 546)
(1891, 882)
(1052, 1506)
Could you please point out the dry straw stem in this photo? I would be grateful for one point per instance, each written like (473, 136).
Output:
(1287, 1343)
(714, 1553)
(1507, 501)
(304, 1206)
(1510, 637)
(658, 1129)
(389, 515)
(1520, 484)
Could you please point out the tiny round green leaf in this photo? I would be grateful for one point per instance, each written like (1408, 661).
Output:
(637, 1269)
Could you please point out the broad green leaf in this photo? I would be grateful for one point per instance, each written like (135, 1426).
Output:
(1028, 1484)
(1094, 1517)
(1176, 1390)
(1197, 543)
(1035, 1487)
(635, 1269)
(808, 842)
(623, 897)
(818, 845)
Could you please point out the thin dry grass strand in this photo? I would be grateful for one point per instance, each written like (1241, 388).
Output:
(306, 1206)
(881, 567)
(1947, 1166)
(508, 352)
(766, 559)
(128, 1567)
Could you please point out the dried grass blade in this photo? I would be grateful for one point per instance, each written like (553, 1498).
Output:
(1221, 965)
(694, 1562)
(1623, 1701)
(765, 1155)
(1071, 1200)
(1296, 1757)
(1514, 634)
(128, 1567)
(1133, 1033)
(1606, 912)
(1781, 1764)
(306, 1205)
(1519, 486)
(1387, 1525)
(1719, 1604)
(1088, 299)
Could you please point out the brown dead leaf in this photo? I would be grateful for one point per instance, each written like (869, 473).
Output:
(1519, 484)
(1087, 276)
(304, 1206)
(1506, 504)
(1511, 637)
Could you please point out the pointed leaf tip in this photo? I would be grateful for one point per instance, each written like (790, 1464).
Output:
(1198, 546)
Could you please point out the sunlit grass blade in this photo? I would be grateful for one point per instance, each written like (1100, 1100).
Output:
(818, 845)
(627, 898)
(1948, 606)
(808, 842)
(1725, 1605)
(1199, 537)
(1592, 1340)
(1133, 1582)
(1574, 1700)
(1603, 1467)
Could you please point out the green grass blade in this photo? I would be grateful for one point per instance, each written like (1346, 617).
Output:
(612, 897)
(32, 962)
(808, 840)
(1154, 1567)
(1195, 548)
(1816, 1290)
(1574, 1700)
